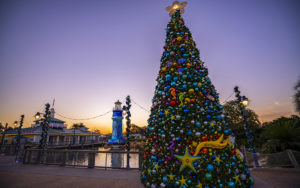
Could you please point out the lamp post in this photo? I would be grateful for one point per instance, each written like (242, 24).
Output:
(3, 136)
(19, 139)
(243, 101)
(3, 133)
(45, 125)
(128, 115)
(15, 124)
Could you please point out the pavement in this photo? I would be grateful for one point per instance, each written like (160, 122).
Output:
(19, 175)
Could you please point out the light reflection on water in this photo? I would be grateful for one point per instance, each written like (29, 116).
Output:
(114, 160)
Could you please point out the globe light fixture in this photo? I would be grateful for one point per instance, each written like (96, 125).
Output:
(16, 123)
(245, 102)
(37, 116)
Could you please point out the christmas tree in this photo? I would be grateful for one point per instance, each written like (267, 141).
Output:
(188, 139)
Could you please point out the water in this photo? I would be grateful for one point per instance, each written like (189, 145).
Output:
(114, 160)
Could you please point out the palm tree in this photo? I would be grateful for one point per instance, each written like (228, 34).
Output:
(76, 126)
(285, 131)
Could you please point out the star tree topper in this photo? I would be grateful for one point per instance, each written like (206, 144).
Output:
(176, 6)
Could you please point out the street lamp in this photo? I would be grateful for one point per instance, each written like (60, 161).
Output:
(37, 116)
(15, 124)
(3, 136)
(244, 103)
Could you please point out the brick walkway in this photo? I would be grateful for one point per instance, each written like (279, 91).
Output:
(18, 175)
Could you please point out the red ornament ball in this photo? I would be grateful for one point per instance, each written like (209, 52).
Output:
(173, 103)
(204, 150)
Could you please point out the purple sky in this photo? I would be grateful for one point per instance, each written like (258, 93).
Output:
(87, 54)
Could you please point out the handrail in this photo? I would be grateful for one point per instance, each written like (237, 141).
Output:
(39, 156)
(84, 151)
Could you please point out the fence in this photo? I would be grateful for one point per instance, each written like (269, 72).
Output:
(286, 158)
(83, 158)
(75, 145)
(8, 149)
(117, 159)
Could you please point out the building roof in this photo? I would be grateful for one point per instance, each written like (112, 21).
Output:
(52, 119)
(38, 129)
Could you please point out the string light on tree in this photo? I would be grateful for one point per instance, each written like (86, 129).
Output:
(18, 155)
(244, 101)
(128, 121)
(45, 127)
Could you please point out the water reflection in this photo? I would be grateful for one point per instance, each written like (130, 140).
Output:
(113, 160)
(116, 159)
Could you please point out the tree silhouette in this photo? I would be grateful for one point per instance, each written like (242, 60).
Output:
(236, 124)
(297, 96)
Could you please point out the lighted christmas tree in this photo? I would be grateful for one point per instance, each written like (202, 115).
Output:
(188, 139)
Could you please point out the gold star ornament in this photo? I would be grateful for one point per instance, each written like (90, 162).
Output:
(187, 160)
(199, 185)
(171, 176)
(182, 181)
(176, 6)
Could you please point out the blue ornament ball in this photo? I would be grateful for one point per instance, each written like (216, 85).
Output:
(231, 184)
(210, 168)
(165, 179)
(168, 78)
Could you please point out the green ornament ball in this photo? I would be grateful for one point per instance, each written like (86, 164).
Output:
(208, 176)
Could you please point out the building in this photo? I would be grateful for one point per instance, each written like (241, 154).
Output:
(58, 134)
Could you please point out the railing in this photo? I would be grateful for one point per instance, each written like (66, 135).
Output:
(8, 149)
(287, 158)
(71, 143)
(83, 158)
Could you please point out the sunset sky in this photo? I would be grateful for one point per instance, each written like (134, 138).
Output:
(89, 53)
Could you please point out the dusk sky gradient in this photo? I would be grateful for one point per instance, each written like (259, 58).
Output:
(89, 53)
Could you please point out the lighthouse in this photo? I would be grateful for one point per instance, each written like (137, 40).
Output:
(117, 131)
